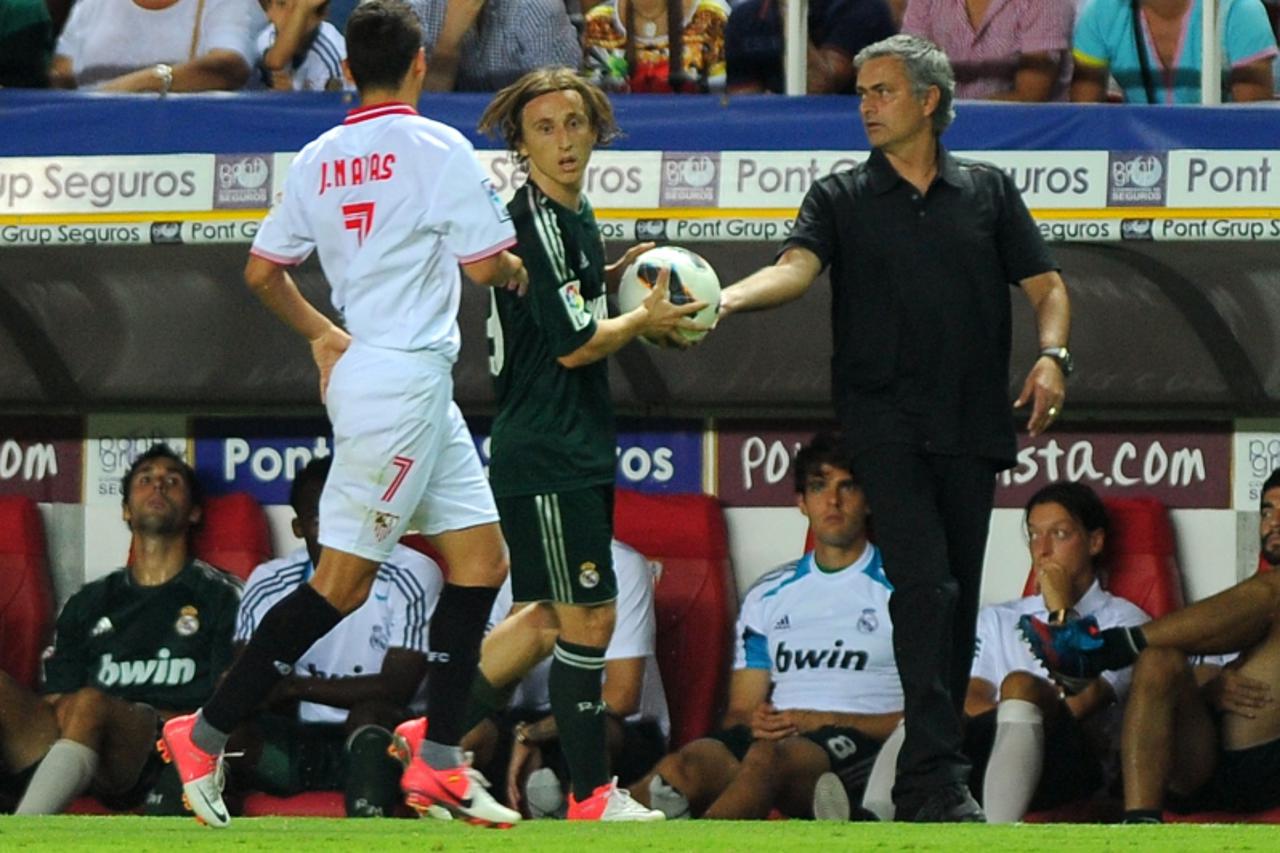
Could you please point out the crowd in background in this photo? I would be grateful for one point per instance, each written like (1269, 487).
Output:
(1136, 51)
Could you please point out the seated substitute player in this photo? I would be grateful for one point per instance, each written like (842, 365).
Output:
(394, 203)
(636, 722)
(814, 687)
(132, 648)
(1031, 745)
(328, 725)
(553, 455)
(1215, 745)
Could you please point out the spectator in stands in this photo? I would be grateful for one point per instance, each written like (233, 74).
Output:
(628, 49)
(1152, 49)
(814, 688)
(636, 722)
(838, 29)
(1016, 714)
(156, 46)
(1210, 744)
(137, 646)
(483, 45)
(328, 724)
(26, 43)
(1001, 51)
(299, 50)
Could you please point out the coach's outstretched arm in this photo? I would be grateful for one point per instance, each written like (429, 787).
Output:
(277, 290)
(788, 279)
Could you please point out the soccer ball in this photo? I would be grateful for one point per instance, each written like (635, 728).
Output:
(692, 278)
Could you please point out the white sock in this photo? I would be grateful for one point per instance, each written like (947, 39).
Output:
(64, 774)
(878, 797)
(1017, 757)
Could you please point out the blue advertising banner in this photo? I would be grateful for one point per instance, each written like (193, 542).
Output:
(261, 458)
(653, 456)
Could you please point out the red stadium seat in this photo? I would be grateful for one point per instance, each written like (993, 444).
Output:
(233, 535)
(26, 592)
(695, 600)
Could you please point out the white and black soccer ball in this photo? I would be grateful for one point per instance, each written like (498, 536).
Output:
(692, 279)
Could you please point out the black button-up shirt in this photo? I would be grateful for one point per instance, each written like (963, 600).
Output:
(920, 301)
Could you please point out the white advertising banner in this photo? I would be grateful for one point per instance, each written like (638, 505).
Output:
(1255, 453)
(683, 196)
(30, 185)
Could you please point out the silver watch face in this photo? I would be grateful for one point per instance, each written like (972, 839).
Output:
(1062, 355)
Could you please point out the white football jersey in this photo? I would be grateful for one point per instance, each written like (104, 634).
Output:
(999, 648)
(393, 202)
(826, 637)
(396, 615)
(634, 636)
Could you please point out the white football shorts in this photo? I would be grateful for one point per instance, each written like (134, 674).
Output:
(403, 458)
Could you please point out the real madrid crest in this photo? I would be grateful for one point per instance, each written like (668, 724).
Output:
(188, 621)
(588, 575)
(868, 622)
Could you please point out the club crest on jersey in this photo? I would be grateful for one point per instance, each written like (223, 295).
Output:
(868, 622)
(379, 641)
(588, 575)
(383, 524)
(188, 621)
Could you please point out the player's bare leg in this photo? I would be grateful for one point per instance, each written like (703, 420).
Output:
(1169, 741)
(774, 773)
(699, 771)
(28, 726)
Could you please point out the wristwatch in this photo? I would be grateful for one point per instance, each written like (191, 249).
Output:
(1062, 355)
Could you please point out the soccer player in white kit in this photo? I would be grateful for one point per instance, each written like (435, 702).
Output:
(394, 203)
(815, 687)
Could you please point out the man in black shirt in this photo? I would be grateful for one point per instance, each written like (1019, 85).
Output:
(922, 247)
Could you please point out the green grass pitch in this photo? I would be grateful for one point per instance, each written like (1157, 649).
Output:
(312, 835)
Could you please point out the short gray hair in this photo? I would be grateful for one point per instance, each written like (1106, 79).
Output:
(926, 66)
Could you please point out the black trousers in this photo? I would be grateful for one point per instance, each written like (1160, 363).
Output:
(930, 514)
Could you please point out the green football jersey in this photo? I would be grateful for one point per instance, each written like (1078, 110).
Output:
(554, 429)
(163, 645)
